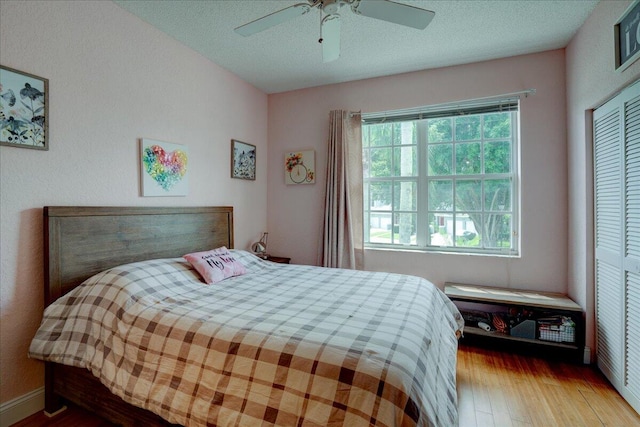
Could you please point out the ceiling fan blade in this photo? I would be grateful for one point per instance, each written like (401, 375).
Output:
(331, 37)
(273, 19)
(397, 13)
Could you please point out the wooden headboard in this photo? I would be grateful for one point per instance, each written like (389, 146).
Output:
(82, 241)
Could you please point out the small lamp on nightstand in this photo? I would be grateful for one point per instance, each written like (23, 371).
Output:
(260, 248)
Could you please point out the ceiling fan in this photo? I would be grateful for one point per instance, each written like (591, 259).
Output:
(385, 10)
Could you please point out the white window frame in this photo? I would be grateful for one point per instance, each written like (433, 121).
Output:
(421, 115)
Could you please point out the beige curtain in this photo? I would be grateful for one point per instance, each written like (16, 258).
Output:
(342, 233)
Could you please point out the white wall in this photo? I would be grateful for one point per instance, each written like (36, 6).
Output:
(112, 80)
(299, 120)
(591, 80)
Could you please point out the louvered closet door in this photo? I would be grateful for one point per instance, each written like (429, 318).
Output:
(617, 235)
(608, 240)
(632, 243)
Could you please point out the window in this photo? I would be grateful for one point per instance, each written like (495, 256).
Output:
(442, 178)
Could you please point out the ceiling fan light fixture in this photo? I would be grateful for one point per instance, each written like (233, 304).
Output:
(385, 10)
(330, 6)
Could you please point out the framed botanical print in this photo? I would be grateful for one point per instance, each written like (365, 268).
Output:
(243, 160)
(24, 109)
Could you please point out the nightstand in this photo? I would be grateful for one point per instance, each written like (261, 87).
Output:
(278, 259)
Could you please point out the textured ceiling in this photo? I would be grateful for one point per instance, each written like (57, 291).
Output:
(288, 56)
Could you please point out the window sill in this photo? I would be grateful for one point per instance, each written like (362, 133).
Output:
(439, 252)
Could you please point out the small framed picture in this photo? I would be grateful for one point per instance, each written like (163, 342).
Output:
(299, 167)
(24, 109)
(243, 160)
(163, 168)
(627, 37)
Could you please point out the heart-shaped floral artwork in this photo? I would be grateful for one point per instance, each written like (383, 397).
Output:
(165, 168)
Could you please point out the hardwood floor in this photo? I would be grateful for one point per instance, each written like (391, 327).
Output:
(73, 416)
(503, 389)
(495, 388)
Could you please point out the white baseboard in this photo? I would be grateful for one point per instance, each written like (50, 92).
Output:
(21, 407)
(586, 358)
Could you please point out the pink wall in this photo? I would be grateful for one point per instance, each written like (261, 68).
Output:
(112, 79)
(591, 80)
(299, 120)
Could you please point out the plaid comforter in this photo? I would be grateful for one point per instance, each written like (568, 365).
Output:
(283, 345)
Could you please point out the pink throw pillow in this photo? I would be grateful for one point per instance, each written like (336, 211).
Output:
(215, 265)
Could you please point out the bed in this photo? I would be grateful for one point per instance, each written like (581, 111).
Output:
(280, 345)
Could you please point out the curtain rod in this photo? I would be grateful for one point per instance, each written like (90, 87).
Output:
(525, 92)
